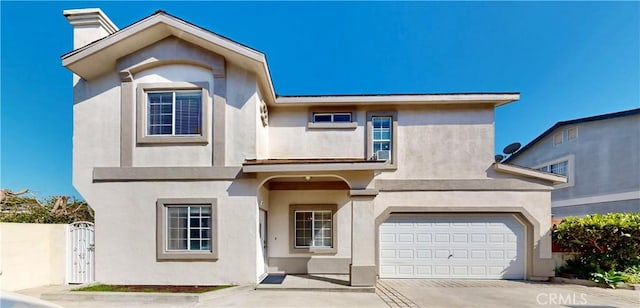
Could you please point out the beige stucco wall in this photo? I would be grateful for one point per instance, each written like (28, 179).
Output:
(126, 233)
(32, 255)
(241, 114)
(443, 143)
(289, 136)
(434, 142)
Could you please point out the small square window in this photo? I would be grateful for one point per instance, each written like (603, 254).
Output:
(572, 133)
(557, 139)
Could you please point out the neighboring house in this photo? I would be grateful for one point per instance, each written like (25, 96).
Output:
(200, 174)
(599, 155)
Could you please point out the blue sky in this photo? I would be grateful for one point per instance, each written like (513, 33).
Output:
(567, 59)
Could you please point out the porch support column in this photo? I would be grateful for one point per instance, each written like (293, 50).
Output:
(363, 238)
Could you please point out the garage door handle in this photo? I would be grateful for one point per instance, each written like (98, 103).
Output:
(449, 257)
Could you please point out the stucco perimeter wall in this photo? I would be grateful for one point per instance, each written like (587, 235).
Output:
(31, 255)
(125, 233)
(531, 206)
(281, 256)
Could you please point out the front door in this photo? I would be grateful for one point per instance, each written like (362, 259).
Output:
(263, 236)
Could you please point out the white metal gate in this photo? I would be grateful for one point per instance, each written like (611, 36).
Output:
(80, 255)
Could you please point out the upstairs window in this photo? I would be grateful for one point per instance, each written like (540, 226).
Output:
(564, 166)
(174, 113)
(381, 137)
(338, 117)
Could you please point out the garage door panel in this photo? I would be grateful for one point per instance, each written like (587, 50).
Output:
(484, 247)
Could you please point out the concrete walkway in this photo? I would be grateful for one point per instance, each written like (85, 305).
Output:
(389, 293)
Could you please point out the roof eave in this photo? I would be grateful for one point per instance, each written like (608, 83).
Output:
(157, 27)
(495, 99)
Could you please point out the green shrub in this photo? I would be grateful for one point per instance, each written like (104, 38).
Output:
(612, 278)
(610, 241)
(632, 275)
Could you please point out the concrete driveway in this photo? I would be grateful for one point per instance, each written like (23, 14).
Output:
(464, 293)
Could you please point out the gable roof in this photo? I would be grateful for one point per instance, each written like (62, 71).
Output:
(547, 132)
(100, 56)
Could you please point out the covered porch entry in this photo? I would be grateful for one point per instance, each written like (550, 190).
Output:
(318, 217)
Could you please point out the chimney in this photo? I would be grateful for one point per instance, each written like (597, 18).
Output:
(89, 25)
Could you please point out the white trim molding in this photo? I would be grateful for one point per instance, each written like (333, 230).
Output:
(630, 195)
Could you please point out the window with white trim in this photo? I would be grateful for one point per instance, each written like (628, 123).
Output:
(188, 227)
(313, 229)
(332, 117)
(560, 168)
(382, 137)
(174, 113)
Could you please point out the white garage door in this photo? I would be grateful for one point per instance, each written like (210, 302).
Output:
(454, 246)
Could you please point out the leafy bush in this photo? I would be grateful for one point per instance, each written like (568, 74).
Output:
(606, 242)
(612, 278)
(632, 275)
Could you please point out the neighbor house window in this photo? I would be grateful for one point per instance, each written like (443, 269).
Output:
(341, 117)
(313, 229)
(557, 139)
(186, 229)
(382, 138)
(174, 113)
(572, 133)
(562, 166)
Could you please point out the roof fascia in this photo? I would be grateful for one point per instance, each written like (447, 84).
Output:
(495, 99)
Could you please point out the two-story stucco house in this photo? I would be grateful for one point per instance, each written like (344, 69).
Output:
(200, 174)
(599, 155)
